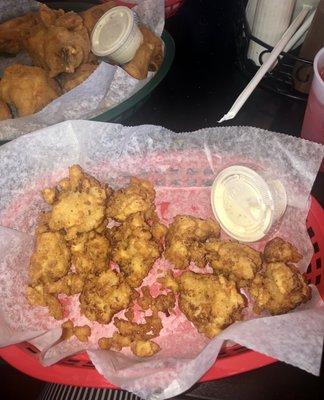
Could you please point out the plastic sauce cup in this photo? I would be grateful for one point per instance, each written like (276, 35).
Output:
(247, 203)
(116, 35)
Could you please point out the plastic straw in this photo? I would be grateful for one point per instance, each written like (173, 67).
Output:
(266, 66)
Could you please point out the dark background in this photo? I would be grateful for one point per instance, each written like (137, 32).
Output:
(201, 86)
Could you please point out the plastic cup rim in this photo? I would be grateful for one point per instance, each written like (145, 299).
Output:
(316, 68)
(266, 227)
(120, 42)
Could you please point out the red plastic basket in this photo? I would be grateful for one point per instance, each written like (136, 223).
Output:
(171, 6)
(79, 370)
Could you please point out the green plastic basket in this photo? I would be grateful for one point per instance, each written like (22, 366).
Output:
(130, 106)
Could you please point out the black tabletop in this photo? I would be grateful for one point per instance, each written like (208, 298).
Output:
(204, 80)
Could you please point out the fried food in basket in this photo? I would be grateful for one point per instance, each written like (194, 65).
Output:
(5, 112)
(48, 264)
(79, 251)
(134, 248)
(183, 239)
(148, 57)
(78, 203)
(59, 42)
(157, 44)
(235, 261)
(28, 89)
(138, 67)
(12, 31)
(279, 289)
(210, 302)
(139, 196)
(277, 250)
(104, 295)
(93, 14)
(70, 81)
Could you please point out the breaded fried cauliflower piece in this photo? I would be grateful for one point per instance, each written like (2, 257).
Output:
(235, 261)
(278, 250)
(78, 203)
(210, 302)
(279, 289)
(184, 237)
(51, 259)
(139, 196)
(134, 248)
(104, 295)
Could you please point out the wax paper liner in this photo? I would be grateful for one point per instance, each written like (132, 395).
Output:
(182, 166)
(106, 87)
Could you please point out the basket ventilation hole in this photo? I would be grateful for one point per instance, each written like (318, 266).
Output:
(310, 232)
(318, 263)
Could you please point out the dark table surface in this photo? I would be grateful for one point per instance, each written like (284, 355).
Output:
(200, 87)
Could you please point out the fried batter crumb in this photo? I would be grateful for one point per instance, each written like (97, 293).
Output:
(144, 348)
(82, 333)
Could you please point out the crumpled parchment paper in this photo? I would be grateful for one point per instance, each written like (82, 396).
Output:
(106, 87)
(182, 166)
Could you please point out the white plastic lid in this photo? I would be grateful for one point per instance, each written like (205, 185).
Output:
(243, 203)
(112, 30)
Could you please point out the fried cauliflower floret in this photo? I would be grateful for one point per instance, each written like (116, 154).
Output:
(279, 289)
(144, 348)
(134, 248)
(51, 258)
(90, 253)
(278, 250)
(234, 260)
(78, 203)
(36, 296)
(210, 302)
(183, 238)
(104, 295)
(82, 333)
(139, 196)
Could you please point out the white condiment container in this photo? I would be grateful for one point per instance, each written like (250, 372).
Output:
(116, 35)
(247, 203)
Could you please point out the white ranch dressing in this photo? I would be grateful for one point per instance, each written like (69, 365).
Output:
(245, 204)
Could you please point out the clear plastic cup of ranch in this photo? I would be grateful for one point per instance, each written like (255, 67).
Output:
(247, 203)
(116, 36)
